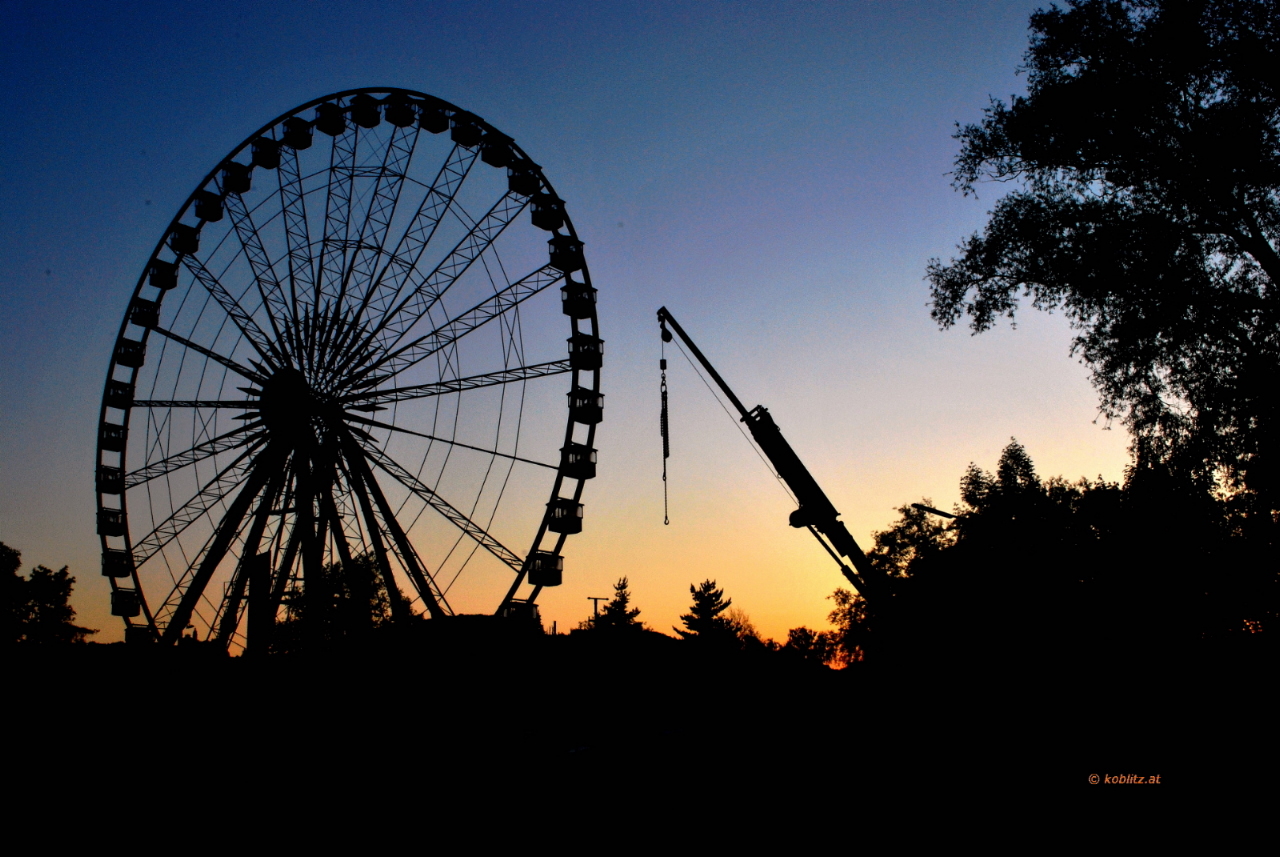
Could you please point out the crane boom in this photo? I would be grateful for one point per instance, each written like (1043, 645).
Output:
(816, 512)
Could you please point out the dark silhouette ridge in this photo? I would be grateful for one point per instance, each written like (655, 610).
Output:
(584, 703)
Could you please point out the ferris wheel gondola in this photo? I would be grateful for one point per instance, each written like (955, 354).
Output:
(338, 394)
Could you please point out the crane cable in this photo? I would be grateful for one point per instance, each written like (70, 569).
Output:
(666, 434)
(737, 423)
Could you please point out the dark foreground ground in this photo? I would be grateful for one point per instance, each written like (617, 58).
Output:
(642, 709)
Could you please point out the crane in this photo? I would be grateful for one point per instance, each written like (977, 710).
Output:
(816, 512)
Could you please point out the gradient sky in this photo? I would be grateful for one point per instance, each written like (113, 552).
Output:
(774, 173)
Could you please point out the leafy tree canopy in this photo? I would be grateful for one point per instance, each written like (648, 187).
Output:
(37, 609)
(1033, 566)
(1145, 159)
(743, 628)
(916, 534)
(848, 641)
(818, 647)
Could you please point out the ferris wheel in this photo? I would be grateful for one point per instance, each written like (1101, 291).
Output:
(340, 395)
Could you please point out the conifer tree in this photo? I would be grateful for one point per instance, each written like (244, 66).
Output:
(618, 613)
(706, 620)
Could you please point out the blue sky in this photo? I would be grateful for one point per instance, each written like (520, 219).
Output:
(774, 173)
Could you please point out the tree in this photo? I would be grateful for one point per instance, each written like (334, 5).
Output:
(350, 600)
(14, 593)
(705, 621)
(1034, 571)
(916, 535)
(1146, 163)
(38, 609)
(818, 647)
(618, 614)
(848, 642)
(743, 628)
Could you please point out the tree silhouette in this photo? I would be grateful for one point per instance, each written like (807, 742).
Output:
(743, 628)
(38, 609)
(705, 621)
(818, 647)
(618, 614)
(14, 615)
(1004, 582)
(1032, 569)
(915, 536)
(346, 600)
(1145, 160)
(847, 644)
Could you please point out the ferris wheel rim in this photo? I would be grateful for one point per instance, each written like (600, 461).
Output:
(261, 446)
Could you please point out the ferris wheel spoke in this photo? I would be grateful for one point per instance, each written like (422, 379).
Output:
(212, 355)
(423, 295)
(273, 298)
(455, 517)
(242, 436)
(284, 571)
(337, 502)
(402, 430)
(297, 232)
(360, 591)
(192, 510)
(342, 349)
(263, 468)
(386, 195)
(451, 331)
(327, 510)
(422, 228)
(374, 527)
(265, 346)
(193, 403)
(422, 580)
(229, 609)
(374, 398)
(337, 218)
(314, 534)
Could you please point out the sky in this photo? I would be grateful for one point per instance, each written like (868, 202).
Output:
(776, 174)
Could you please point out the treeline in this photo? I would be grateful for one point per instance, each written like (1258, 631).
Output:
(713, 624)
(1024, 571)
(1030, 571)
(1160, 565)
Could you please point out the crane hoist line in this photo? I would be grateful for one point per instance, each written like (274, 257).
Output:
(816, 513)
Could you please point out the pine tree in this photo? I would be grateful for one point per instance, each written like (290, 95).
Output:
(618, 613)
(706, 621)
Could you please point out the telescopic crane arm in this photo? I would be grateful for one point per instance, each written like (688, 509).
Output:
(816, 513)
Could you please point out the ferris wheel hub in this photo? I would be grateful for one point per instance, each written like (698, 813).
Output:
(289, 406)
